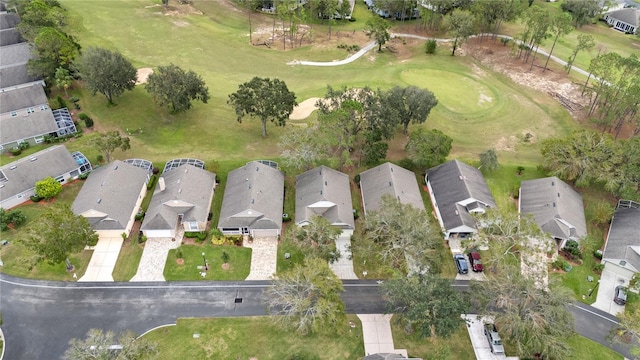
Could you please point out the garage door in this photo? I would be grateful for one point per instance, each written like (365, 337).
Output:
(158, 233)
(265, 232)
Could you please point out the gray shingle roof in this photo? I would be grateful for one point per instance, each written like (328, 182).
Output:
(188, 191)
(623, 241)
(14, 75)
(629, 15)
(325, 192)
(25, 126)
(389, 179)
(9, 37)
(555, 206)
(109, 195)
(54, 161)
(18, 53)
(8, 20)
(22, 98)
(454, 182)
(253, 198)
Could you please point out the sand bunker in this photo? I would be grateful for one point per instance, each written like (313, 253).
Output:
(143, 75)
(304, 109)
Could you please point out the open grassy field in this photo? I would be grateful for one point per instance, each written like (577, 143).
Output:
(473, 100)
(254, 337)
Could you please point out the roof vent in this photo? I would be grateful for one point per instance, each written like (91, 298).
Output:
(13, 167)
(252, 201)
(320, 192)
(1, 186)
(102, 184)
(460, 177)
(115, 167)
(553, 183)
(161, 183)
(456, 211)
(33, 158)
(257, 168)
(558, 194)
(180, 191)
(186, 171)
(391, 169)
(247, 179)
(325, 183)
(390, 184)
(99, 200)
(554, 204)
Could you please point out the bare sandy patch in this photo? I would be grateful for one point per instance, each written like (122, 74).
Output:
(180, 23)
(304, 109)
(484, 98)
(143, 75)
(506, 143)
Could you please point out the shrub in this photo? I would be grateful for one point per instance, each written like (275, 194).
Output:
(200, 235)
(520, 169)
(430, 46)
(155, 171)
(24, 145)
(88, 123)
(597, 268)
(407, 164)
(140, 215)
(355, 214)
(286, 217)
(99, 159)
(225, 257)
(35, 198)
(15, 151)
(356, 179)
(152, 182)
(352, 19)
(74, 99)
(598, 254)
(15, 217)
(83, 176)
(505, 41)
(61, 102)
(573, 248)
(179, 253)
(142, 239)
(76, 106)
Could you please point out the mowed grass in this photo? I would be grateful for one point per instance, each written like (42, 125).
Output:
(128, 260)
(239, 263)
(457, 347)
(253, 337)
(479, 109)
(583, 348)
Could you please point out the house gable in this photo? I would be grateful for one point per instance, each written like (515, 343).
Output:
(389, 179)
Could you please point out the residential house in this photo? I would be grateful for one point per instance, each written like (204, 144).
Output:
(390, 179)
(25, 116)
(622, 249)
(111, 197)
(182, 197)
(625, 20)
(13, 67)
(253, 201)
(556, 207)
(9, 35)
(18, 178)
(457, 191)
(324, 192)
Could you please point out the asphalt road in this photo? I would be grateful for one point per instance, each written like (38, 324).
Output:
(40, 317)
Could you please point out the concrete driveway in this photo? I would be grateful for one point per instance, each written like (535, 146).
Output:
(478, 340)
(343, 268)
(103, 260)
(608, 282)
(377, 336)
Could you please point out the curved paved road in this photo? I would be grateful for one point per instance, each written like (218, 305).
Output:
(372, 45)
(40, 317)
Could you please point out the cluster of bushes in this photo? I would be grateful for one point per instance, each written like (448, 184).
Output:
(61, 102)
(562, 264)
(572, 249)
(15, 217)
(48, 139)
(88, 122)
(35, 198)
(75, 100)
(152, 182)
(430, 46)
(218, 238)
(140, 215)
(201, 236)
(17, 150)
(83, 176)
(141, 237)
(286, 217)
(353, 48)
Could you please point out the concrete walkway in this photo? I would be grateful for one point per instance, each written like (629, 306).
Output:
(264, 256)
(343, 268)
(103, 260)
(377, 336)
(154, 258)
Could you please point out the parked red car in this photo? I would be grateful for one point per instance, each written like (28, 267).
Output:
(475, 261)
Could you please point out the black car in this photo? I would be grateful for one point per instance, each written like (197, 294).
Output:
(461, 263)
(620, 295)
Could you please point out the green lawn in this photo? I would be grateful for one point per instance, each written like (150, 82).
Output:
(253, 337)
(128, 260)
(583, 348)
(239, 263)
(458, 346)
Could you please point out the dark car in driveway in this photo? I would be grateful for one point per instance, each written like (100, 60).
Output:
(461, 263)
(476, 261)
(620, 295)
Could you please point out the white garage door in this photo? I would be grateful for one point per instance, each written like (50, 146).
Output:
(265, 232)
(158, 233)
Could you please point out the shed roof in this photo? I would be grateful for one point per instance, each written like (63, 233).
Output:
(21, 175)
(187, 191)
(623, 241)
(454, 182)
(325, 192)
(556, 207)
(109, 195)
(389, 179)
(253, 198)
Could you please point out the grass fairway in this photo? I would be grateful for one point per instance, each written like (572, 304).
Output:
(478, 108)
(253, 337)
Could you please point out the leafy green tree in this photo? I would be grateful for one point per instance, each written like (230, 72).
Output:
(48, 188)
(403, 231)
(267, 99)
(15, 217)
(489, 160)
(534, 319)
(53, 49)
(58, 233)
(98, 345)
(428, 148)
(560, 26)
(318, 239)
(585, 42)
(582, 11)
(110, 141)
(493, 14)
(629, 329)
(38, 14)
(426, 303)
(107, 72)
(408, 105)
(63, 79)
(307, 298)
(460, 25)
(173, 87)
(378, 28)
